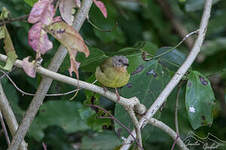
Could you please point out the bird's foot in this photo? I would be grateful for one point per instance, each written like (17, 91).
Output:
(105, 89)
(117, 94)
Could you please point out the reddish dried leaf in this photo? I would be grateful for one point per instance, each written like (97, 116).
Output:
(66, 9)
(57, 19)
(74, 64)
(71, 39)
(67, 36)
(38, 39)
(101, 6)
(29, 67)
(42, 11)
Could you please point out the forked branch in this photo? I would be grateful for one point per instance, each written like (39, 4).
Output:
(180, 72)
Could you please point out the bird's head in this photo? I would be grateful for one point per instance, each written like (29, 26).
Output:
(120, 62)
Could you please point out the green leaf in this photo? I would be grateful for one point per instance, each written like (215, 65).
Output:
(146, 82)
(90, 63)
(173, 59)
(61, 113)
(4, 13)
(30, 2)
(149, 47)
(199, 100)
(10, 51)
(212, 47)
(8, 44)
(2, 32)
(100, 141)
(57, 139)
(107, 24)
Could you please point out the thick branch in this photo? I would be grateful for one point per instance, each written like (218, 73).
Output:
(4, 128)
(9, 116)
(137, 128)
(84, 85)
(179, 74)
(46, 82)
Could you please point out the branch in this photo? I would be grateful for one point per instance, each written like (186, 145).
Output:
(180, 72)
(9, 116)
(4, 128)
(169, 131)
(10, 20)
(31, 94)
(46, 82)
(131, 102)
(114, 119)
(137, 128)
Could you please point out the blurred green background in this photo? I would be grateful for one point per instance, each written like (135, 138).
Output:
(135, 26)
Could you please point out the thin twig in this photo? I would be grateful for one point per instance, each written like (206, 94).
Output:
(137, 128)
(44, 146)
(10, 20)
(46, 82)
(174, 142)
(32, 94)
(171, 49)
(4, 128)
(9, 116)
(131, 102)
(116, 120)
(180, 73)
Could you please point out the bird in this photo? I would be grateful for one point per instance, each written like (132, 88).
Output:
(113, 72)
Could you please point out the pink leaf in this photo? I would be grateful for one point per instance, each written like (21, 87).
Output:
(38, 39)
(29, 67)
(57, 19)
(66, 7)
(42, 11)
(77, 3)
(101, 6)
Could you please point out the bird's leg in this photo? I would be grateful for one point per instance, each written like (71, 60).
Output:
(104, 88)
(117, 94)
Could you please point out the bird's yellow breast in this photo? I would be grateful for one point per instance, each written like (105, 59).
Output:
(112, 77)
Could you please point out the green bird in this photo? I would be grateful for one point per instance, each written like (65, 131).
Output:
(113, 72)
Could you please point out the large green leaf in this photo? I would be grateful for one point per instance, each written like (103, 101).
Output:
(101, 141)
(90, 63)
(30, 2)
(199, 100)
(172, 59)
(146, 82)
(56, 138)
(65, 114)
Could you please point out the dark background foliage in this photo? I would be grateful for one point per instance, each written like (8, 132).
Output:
(135, 26)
